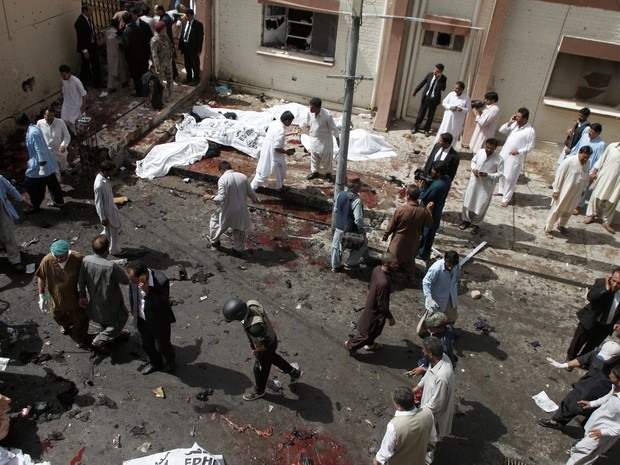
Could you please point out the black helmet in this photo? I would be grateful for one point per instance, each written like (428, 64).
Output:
(235, 309)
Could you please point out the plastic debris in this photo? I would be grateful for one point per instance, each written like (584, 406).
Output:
(159, 392)
(121, 200)
(544, 402)
(144, 447)
(30, 268)
(117, 441)
(370, 423)
(186, 180)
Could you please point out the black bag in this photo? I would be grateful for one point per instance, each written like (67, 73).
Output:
(352, 240)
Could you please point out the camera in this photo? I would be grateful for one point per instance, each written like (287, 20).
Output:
(477, 104)
(421, 175)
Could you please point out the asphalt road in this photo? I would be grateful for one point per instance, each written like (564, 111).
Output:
(338, 412)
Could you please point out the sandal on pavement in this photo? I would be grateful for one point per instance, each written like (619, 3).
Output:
(374, 347)
(475, 229)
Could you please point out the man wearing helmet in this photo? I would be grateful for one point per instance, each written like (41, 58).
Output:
(263, 341)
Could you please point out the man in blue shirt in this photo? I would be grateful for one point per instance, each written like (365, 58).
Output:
(41, 169)
(7, 216)
(349, 218)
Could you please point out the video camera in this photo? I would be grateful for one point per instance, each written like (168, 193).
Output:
(421, 175)
(477, 104)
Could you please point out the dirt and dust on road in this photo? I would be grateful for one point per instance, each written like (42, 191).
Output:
(337, 414)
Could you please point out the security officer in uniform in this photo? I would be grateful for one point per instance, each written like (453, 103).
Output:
(263, 341)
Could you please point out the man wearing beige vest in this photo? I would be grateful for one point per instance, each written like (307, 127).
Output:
(407, 435)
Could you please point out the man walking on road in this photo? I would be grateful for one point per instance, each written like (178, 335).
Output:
(434, 83)
(606, 189)
(233, 190)
(407, 435)
(377, 310)
(104, 303)
(106, 209)
(440, 289)
(322, 131)
(57, 137)
(349, 218)
(149, 299)
(263, 343)
(520, 141)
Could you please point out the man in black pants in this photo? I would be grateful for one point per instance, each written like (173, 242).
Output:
(87, 47)
(433, 84)
(263, 341)
(190, 44)
(149, 298)
(599, 318)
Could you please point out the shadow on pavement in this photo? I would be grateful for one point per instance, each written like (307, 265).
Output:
(477, 342)
(311, 403)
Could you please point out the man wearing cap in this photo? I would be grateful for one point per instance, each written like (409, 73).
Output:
(440, 289)
(190, 44)
(594, 384)
(438, 327)
(57, 281)
(377, 310)
(599, 318)
(104, 303)
(161, 53)
(349, 211)
(7, 216)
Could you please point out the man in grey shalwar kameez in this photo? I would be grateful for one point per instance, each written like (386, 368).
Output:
(104, 303)
(233, 190)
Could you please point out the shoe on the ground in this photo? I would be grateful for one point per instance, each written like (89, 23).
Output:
(312, 176)
(351, 352)
(475, 229)
(329, 177)
(576, 211)
(19, 267)
(549, 424)
(296, 375)
(415, 129)
(337, 270)
(608, 228)
(427, 133)
(589, 219)
(549, 235)
(464, 225)
(148, 369)
(254, 395)
(351, 267)
(562, 230)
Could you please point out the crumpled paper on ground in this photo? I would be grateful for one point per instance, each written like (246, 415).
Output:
(544, 402)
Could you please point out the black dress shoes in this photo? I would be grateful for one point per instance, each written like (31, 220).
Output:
(549, 424)
(312, 176)
(148, 369)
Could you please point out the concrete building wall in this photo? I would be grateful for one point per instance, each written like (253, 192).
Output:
(528, 49)
(239, 27)
(36, 37)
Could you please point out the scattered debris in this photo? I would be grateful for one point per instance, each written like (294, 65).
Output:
(484, 326)
(544, 402)
(195, 454)
(242, 268)
(535, 344)
(270, 408)
(138, 431)
(217, 416)
(204, 395)
(159, 392)
(102, 400)
(370, 423)
(182, 273)
(192, 433)
(30, 268)
(395, 180)
(121, 200)
(28, 243)
(218, 266)
(472, 253)
(202, 277)
(476, 295)
(203, 298)
(144, 447)
(489, 296)
(289, 284)
(186, 180)
(275, 386)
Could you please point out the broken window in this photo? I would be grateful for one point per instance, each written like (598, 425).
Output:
(443, 40)
(587, 71)
(445, 32)
(300, 30)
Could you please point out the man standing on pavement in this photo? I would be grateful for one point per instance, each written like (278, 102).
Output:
(263, 343)
(594, 384)
(408, 434)
(599, 318)
(41, 169)
(573, 134)
(87, 47)
(570, 181)
(487, 167)
(106, 210)
(273, 154)
(437, 386)
(444, 151)
(486, 121)
(73, 98)
(520, 141)
(405, 227)
(57, 137)
(167, 19)
(435, 193)
(190, 44)
(104, 303)
(456, 104)
(377, 309)
(440, 289)
(149, 300)
(322, 131)
(606, 189)
(349, 211)
(161, 54)
(57, 282)
(434, 83)
(233, 190)
(602, 429)
(7, 216)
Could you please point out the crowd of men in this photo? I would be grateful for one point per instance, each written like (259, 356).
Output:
(79, 289)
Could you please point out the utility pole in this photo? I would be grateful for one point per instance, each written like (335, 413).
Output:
(341, 175)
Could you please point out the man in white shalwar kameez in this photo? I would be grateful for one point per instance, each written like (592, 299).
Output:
(602, 429)
(570, 180)
(456, 104)
(233, 190)
(118, 74)
(272, 154)
(322, 132)
(437, 387)
(486, 121)
(606, 187)
(487, 167)
(56, 137)
(107, 211)
(73, 97)
(521, 140)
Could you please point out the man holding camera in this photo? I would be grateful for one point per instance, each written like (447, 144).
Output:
(487, 116)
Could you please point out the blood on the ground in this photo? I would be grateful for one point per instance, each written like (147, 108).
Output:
(308, 447)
